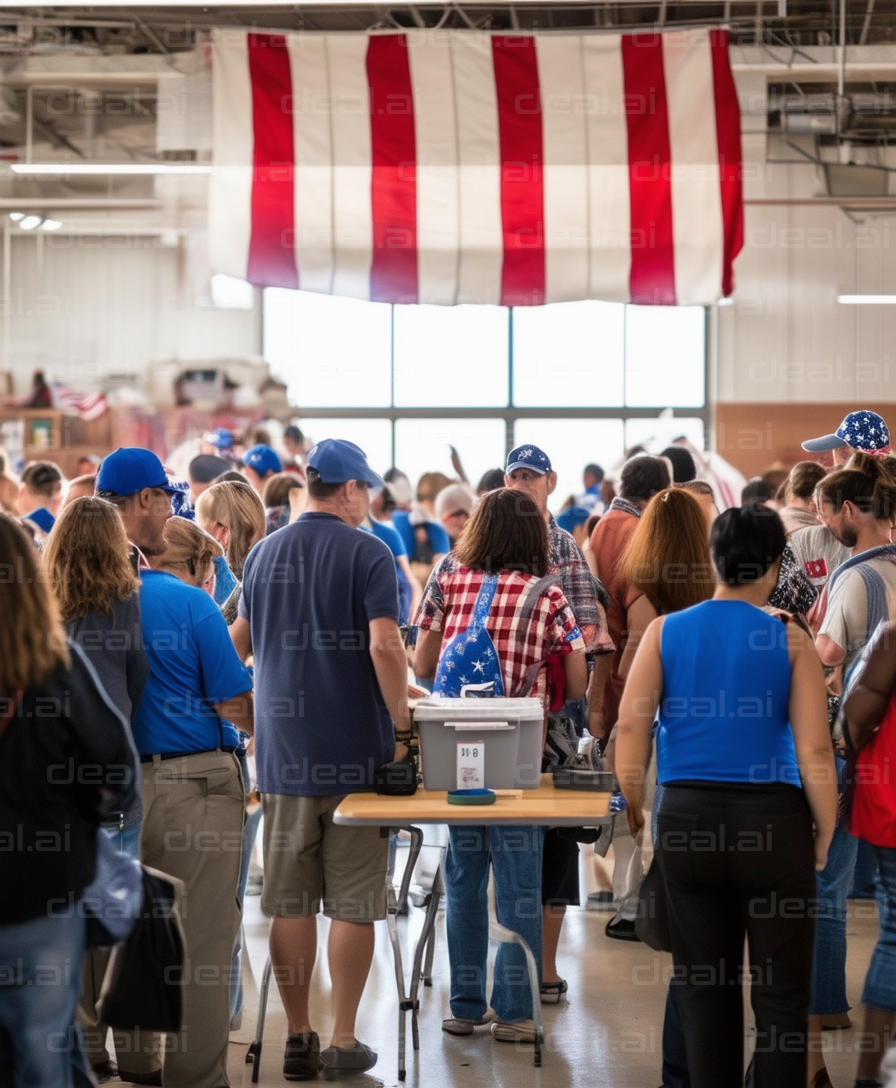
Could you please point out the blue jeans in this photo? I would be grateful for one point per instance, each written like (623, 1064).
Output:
(515, 854)
(833, 884)
(40, 982)
(126, 841)
(880, 982)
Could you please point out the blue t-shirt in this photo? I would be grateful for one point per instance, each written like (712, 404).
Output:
(225, 583)
(724, 714)
(310, 591)
(439, 540)
(192, 666)
(392, 539)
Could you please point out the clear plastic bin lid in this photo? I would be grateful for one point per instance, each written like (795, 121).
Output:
(498, 708)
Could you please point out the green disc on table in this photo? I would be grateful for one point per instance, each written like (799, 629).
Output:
(471, 797)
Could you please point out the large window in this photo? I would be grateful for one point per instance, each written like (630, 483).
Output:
(584, 380)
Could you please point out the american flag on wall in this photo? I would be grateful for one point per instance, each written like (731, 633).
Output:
(469, 167)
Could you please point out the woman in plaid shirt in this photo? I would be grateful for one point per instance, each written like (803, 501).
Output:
(528, 624)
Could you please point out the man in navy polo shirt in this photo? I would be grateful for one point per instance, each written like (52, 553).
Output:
(319, 611)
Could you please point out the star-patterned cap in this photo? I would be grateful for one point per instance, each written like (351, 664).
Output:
(863, 430)
(530, 457)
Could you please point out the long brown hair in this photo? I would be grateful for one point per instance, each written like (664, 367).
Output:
(238, 508)
(866, 482)
(86, 559)
(32, 638)
(506, 531)
(189, 551)
(668, 557)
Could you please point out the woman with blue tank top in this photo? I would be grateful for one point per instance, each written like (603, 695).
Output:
(748, 808)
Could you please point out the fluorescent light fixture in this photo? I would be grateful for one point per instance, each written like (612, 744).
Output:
(50, 224)
(867, 300)
(66, 169)
(30, 222)
(16, 217)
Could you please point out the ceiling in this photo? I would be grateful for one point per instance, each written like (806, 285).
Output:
(174, 28)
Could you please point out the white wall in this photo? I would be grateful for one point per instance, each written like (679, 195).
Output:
(786, 339)
(86, 306)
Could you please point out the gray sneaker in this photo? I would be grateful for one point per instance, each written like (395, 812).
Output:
(338, 1061)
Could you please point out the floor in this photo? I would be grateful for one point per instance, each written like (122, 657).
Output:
(608, 1033)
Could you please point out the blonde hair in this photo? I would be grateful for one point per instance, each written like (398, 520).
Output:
(238, 508)
(86, 559)
(32, 638)
(189, 551)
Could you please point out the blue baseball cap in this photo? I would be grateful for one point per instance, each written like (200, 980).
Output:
(864, 431)
(263, 460)
(337, 461)
(130, 469)
(530, 457)
(220, 438)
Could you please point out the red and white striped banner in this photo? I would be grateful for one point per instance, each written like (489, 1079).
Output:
(467, 167)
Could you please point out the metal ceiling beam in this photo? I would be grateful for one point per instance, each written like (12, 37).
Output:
(62, 203)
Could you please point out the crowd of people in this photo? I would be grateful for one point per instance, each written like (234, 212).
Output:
(262, 628)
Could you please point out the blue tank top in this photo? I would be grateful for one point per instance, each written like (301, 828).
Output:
(724, 714)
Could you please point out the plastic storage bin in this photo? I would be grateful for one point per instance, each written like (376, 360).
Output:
(492, 743)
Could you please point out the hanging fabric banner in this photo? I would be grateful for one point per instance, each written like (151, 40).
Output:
(456, 167)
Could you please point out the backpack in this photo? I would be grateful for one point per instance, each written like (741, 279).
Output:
(469, 666)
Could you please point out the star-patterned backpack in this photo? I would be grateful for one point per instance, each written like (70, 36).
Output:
(469, 666)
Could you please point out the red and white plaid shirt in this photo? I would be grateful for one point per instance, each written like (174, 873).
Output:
(520, 643)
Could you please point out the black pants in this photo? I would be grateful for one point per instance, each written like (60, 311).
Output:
(738, 861)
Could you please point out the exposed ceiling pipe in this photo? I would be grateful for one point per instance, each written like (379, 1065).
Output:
(867, 203)
(62, 203)
(152, 37)
(866, 25)
(841, 80)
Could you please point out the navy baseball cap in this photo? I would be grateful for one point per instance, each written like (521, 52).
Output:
(263, 459)
(864, 431)
(130, 469)
(530, 457)
(337, 461)
(220, 438)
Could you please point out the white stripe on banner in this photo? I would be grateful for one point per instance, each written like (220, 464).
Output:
(696, 191)
(230, 188)
(435, 125)
(352, 174)
(476, 108)
(608, 172)
(311, 116)
(561, 81)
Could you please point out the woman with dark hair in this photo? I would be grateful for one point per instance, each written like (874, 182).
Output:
(66, 762)
(503, 551)
(744, 754)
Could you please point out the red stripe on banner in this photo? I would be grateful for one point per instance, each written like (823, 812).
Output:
(652, 277)
(522, 170)
(272, 260)
(393, 271)
(728, 132)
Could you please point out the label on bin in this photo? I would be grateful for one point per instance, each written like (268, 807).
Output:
(471, 765)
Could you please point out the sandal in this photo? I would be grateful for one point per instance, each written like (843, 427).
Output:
(551, 992)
